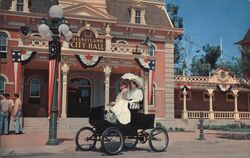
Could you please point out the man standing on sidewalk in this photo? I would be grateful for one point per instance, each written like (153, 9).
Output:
(17, 114)
(5, 107)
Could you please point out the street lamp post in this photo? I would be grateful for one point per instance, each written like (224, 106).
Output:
(53, 30)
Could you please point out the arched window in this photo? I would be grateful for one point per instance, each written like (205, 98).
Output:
(151, 50)
(19, 5)
(35, 91)
(2, 85)
(3, 45)
(152, 103)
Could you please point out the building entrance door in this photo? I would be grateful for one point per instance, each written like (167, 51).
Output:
(79, 97)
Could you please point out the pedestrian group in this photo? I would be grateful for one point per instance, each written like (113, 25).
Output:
(8, 109)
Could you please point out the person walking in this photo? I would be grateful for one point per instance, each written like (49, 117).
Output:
(5, 107)
(17, 114)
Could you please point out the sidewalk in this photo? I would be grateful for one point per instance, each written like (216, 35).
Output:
(182, 144)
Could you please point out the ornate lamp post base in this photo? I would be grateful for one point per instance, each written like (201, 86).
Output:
(52, 142)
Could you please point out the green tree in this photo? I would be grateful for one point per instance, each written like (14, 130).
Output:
(177, 21)
(235, 65)
(246, 61)
(199, 67)
(203, 65)
(212, 53)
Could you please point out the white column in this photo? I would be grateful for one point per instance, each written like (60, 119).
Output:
(107, 71)
(236, 112)
(145, 93)
(65, 70)
(184, 112)
(211, 112)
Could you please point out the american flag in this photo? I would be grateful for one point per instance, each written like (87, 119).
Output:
(16, 58)
(54, 50)
(54, 53)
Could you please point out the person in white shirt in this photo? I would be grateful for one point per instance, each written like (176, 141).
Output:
(135, 95)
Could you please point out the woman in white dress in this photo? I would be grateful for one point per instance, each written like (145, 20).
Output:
(120, 106)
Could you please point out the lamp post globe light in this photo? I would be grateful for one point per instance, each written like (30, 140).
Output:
(53, 30)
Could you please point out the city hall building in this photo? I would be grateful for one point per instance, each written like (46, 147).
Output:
(110, 38)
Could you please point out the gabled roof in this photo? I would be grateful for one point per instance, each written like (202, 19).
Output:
(86, 10)
(245, 39)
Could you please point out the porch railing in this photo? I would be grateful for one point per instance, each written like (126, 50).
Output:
(128, 48)
(218, 115)
(223, 115)
(244, 115)
(196, 114)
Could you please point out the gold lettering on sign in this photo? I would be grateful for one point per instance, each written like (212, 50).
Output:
(87, 40)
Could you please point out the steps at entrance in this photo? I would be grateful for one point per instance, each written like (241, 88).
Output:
(64, 124)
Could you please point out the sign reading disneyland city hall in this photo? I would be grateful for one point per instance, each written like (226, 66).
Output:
(87, 39)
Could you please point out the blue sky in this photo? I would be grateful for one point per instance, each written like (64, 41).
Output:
(205, 21)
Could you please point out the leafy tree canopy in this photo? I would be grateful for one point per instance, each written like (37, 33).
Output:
(177, 21)
(203, 65)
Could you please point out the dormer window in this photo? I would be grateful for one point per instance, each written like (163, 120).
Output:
(137, 16)
(19, 5)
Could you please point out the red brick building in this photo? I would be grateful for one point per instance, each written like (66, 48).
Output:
(122, 24)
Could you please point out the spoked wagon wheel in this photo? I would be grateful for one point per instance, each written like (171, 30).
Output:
(85, 139)
(112, 141)
(130, 142)
(158, 139)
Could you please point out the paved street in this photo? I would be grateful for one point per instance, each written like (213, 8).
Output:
(184, 144)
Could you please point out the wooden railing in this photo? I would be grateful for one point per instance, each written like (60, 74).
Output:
(34, 41)
(218, 114)
(223, 115)
(200, 79)
(244, 115)
(196, 114)
(128, 48)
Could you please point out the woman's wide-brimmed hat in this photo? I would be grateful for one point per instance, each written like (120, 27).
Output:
(132, 77)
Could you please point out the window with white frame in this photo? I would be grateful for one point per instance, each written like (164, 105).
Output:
(137, 16)
(19, 5)
(35, 91)
(152, 101)
(3, 45)
(2, 85)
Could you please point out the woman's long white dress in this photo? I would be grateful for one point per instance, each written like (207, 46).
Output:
(120, 109)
